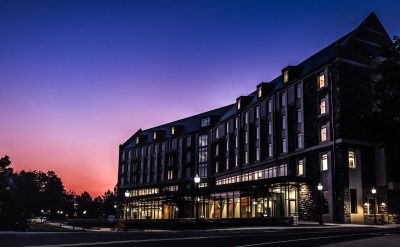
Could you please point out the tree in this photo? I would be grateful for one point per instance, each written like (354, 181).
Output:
(385, 119)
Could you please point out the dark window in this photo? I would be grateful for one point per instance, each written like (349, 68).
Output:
(326, 205)
(353, 200)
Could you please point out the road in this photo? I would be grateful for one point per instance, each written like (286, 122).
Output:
(243, 237)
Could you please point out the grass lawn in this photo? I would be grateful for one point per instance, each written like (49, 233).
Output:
(45, 228)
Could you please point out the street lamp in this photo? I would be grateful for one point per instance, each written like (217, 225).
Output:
(127, 194)
(84, 219)
(196, 182)
(320, 187)
(373, 190)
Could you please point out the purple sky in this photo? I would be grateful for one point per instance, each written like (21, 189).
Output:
(77, 78)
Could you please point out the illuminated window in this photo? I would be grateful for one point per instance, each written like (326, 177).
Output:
(257, 112)
(227, 145)
(246, 137)
(246, 117)
(324, 162)
(269, 128)
(269, 149)
(283, 122)
(216, 133)
(217, 149)
(238, 104)
(324, 136)
(173, 131)
(300, 168)
(137, 140)
(227, 163)
(202, 152)
(322, 106)
(205, 122)
(246, 157)
(155, 135)
(236, 122)
(170, 175)
(236, 160)
(216, 166)
(286, 76)
(227, 128)
(352, 159)
(321, 80)
(259, 92)
(236, 142)
(258, 154)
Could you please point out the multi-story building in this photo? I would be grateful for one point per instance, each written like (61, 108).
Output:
(264, 155)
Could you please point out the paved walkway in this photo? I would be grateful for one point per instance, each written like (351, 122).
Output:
(385, 241)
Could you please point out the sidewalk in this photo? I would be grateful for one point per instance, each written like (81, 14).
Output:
(386, 241)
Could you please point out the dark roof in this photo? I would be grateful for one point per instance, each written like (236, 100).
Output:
(314, 62)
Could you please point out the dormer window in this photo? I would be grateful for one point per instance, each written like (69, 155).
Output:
(286, 76)
(238, 104)
(259, 92)
(205, 122)
(154, 135)
(173, 131)
(137, 140)
(321, 80)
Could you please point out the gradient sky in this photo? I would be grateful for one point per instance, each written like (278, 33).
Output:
(77, 78)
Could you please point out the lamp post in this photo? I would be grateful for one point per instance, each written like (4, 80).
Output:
(84, 219)
(321, 205)
(126, 211)
(373, 190)
(196, 182)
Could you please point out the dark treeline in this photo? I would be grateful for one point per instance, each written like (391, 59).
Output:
(28, 194)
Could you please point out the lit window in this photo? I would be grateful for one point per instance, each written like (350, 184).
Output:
(286, 76)
(236, 142)
(170, 175)
(137, 140)
(298, 91)
(205, 122)
(236, 160)
(324, 162)
(217, 149)
(259, 92)
(227, 145)
(246, 117)
(238, 104)
(284, 145)
(216, 166)
(323, 133)
(236, 122)
(352, 159)
(246, 157)
(322, 106)
(246, 137)
(299, 140)
(216, 133)
(257, 112)
(300, 168)
(299, 115)
(227, 163)
(258, 133)
(269, 128)
(227, 128)
(321, 80)
(283, 122)
(258, 154)
(173, 131)
(154, 135)
(269, 106)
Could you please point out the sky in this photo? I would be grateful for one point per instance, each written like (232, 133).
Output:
(78, 78)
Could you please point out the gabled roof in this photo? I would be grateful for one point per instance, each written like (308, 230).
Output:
(314, 62)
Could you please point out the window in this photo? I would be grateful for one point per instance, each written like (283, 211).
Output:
(246, 137)
(300, 167)
(258, 154)
(283, 99)
(188, 141)
(227, 128)
(269, 128)
(326, 204)
(227, 145)
(203, 170)
(257, 112)
(236, 142)
(269, 149)
(203, 143)
(216, 166)
(299, 140)
(236, 160)
(284, 145)
(173, 131)
(123, 156)
(246, 117)
(322, 106)
(154, 135)
(216, 133)
(238, 104)
(352, 159)
(283, 122)
(298, 91)
(246, 157)
(236, 122)
(137, 140)
(259, 90)
(299, 115)
(286, 76)
(353, 201)
(205, 122)
(170, 175)
(227, 163)
(269, 106)
(217, 149)
(321, 80)
(324, 136)
(324, 162)
(258, 133)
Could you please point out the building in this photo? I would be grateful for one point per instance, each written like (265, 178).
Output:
(264, 155)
